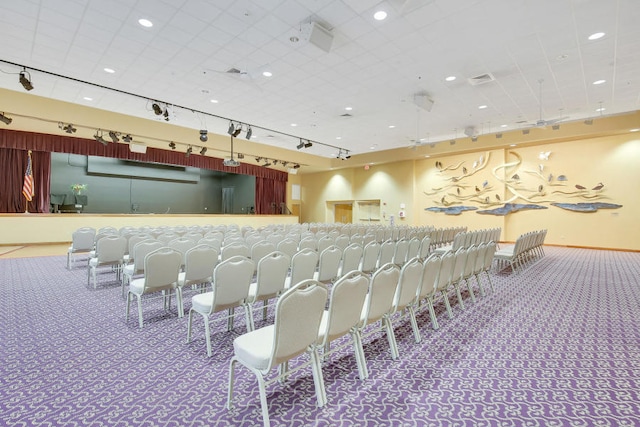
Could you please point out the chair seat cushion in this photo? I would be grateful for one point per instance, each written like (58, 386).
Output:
(202, 302)
(137, 286)
(254, 348)
(253, 291)
(128, 270)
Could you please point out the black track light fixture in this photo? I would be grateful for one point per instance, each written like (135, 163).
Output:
(172, 145)
(237, 131)
(4, 119)
(308, 144)
(240, 156)
(231, 129)
(249, 133)
(258, 159)
(25, 80)
(114, 136)
(300, 146)
(188, 152)
(157, 109)
(99, 137)
(296, 166)
(127, 138)
(203, 151)
(204, 135)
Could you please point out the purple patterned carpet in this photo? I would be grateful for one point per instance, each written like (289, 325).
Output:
(558, 345)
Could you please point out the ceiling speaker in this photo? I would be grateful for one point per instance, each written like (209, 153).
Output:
(319, 36)
(423, 101)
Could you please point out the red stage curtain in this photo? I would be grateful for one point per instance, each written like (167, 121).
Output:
(274, 180)
(13, 164)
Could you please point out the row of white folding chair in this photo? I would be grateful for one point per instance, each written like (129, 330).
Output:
(302, 325)
(82, 241)
(527, 247)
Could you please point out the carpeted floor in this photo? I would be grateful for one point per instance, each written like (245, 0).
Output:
(558, 345)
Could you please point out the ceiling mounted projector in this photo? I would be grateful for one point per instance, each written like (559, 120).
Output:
(232, 163)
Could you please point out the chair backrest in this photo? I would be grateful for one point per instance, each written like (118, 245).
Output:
(460, 259)
(213, 242)
(272, 274)
(342, 241)
(83, 239)
(308, 243)
(303, 265)
(275, 238)
(161, 269)
(351, 258)
(382, 289)
(472, 253)
(297, 320)
(182, 245)
(488, 255)
(446, 266)
(324, 242)
(370, 256)
(199, 263)
(235, 249)
(111, 249)
(288, 246)
(478, 265)
(425, 247)
(231, 281)
(387, 249)
(329, 263)
(261, 249)
(430, 272)
(193, 235)
(345, 304)
(253, 238)
(166, 237)
(408, 284)
(141, 250)
(414, 248)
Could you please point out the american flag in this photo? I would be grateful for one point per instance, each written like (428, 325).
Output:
(27, 188)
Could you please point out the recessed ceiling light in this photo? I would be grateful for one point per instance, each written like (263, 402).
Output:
(600, 109)
(380, 15)
(635, 130)
(596, 36)
(392, 126)
(374, 146)
(482, 107)
(512, 145)
(503, 126)
(599, 82)
(267, 73)
(294, 124)
(145, 22)
(348, 108)
(87, 98)
(427, 156)
(109, 70)
(214, 101)
(338, 137)
(450, 78)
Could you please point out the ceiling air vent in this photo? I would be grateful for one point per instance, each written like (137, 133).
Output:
(481, 79)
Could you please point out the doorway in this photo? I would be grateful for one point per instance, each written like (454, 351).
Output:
(343, 213)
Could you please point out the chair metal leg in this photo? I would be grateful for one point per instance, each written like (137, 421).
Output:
(391, 337)
(264, 310)
(179, 302)
(139, 310)
(189, 325)
(318, 381)
(473, 296)
(445, 297)
(230, 319)
(232, 366)
(482, 292)
(126, 310)
(248, 314)
(263, 399)
(358, 350)
(414, 324)
(432, 314)
(207, 334)
(457, 286)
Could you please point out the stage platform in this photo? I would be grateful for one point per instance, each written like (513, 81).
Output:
(28, 228)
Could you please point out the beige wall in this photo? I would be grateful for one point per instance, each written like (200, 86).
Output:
(611, 160)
